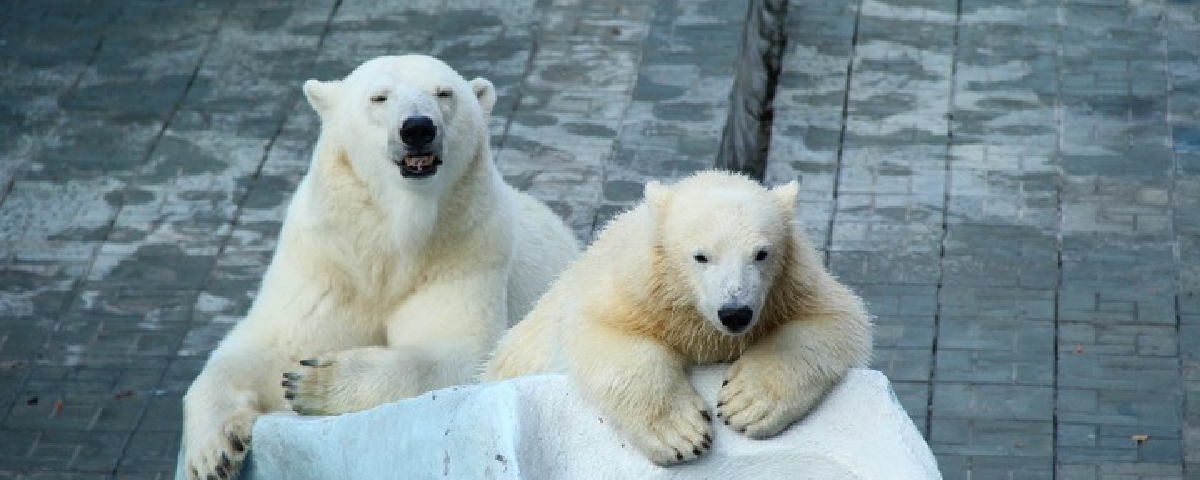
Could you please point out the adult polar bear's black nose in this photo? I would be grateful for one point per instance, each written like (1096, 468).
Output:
(735, 317)
(417, 131)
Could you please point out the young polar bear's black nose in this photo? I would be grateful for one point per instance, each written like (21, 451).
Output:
(735, 318)
(417, 131)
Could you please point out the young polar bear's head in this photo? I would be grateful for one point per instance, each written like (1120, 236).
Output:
(410, 117)
(726, 239)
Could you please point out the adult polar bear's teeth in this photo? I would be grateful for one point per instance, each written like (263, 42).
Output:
(419, 162)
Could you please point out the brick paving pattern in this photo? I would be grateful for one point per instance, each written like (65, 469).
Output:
(1013, 185)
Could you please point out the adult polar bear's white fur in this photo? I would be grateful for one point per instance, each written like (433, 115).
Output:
(710, 270)
(403, 257)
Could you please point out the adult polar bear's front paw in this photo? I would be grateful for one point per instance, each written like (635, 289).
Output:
(762, 395)
(357, 379)
(217, 449)
(307, 388)
(680, 431)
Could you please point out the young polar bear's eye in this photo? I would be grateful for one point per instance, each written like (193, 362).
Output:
(379, 98)
(761, 255)
(700, 258)
(444, 93)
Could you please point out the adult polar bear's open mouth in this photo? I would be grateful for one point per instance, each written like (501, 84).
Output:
(422, 146)
(418, 164)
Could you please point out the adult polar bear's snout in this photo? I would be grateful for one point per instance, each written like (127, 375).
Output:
(418, 153)
(403, 114)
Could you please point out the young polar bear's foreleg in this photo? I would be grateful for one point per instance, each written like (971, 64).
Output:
(531, 346)
(235, 387)
(439, 338)
(780, 378)
(643, 388)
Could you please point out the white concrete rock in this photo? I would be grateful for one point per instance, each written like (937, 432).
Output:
(537, 427)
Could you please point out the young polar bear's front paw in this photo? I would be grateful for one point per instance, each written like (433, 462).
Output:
(679, 431)
(216, 450)
(761, 396)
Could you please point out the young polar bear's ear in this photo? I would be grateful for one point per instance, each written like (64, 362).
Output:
(486, 93)
(786, 195)
(323, 95)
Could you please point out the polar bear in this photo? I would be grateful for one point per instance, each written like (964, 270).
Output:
(709, 270)
(402, 259)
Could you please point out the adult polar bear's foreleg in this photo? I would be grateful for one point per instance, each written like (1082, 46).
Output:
(235, 387)
(435, 340)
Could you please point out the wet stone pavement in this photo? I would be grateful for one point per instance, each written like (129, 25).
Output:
(1014, 186)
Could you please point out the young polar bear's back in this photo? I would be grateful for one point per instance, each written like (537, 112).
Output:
(709, 270)
(402, 258)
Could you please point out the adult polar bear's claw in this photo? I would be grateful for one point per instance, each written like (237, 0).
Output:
(226, 448)
(400, 262)
(340, 382)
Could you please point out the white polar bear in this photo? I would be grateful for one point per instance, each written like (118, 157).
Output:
(710, 270)
(403, 257)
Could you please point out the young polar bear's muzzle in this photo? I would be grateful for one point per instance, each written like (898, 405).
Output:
(422, 147)
(736, 318)
(733, 292)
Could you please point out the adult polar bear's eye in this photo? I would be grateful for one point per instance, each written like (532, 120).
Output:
(379, 98)
(443, 92)
(761, 255)
(700, 258)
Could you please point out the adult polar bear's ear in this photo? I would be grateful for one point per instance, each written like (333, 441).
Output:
(656, 194)
(323, 96)
(656, 198)
(486, 93)
(785, 195)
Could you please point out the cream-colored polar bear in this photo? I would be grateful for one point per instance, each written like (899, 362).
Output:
(403, 257)
(710, 270)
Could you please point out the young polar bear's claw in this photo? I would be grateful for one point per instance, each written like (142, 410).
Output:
(222, 453)
(676, 435)
(760, 397)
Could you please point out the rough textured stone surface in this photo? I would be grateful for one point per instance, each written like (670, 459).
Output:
(537, 427)
(1013, 185)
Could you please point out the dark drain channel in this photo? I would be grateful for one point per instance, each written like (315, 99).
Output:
(747, 135)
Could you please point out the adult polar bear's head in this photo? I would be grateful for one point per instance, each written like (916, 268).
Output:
(726, 239)
(405, 118)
